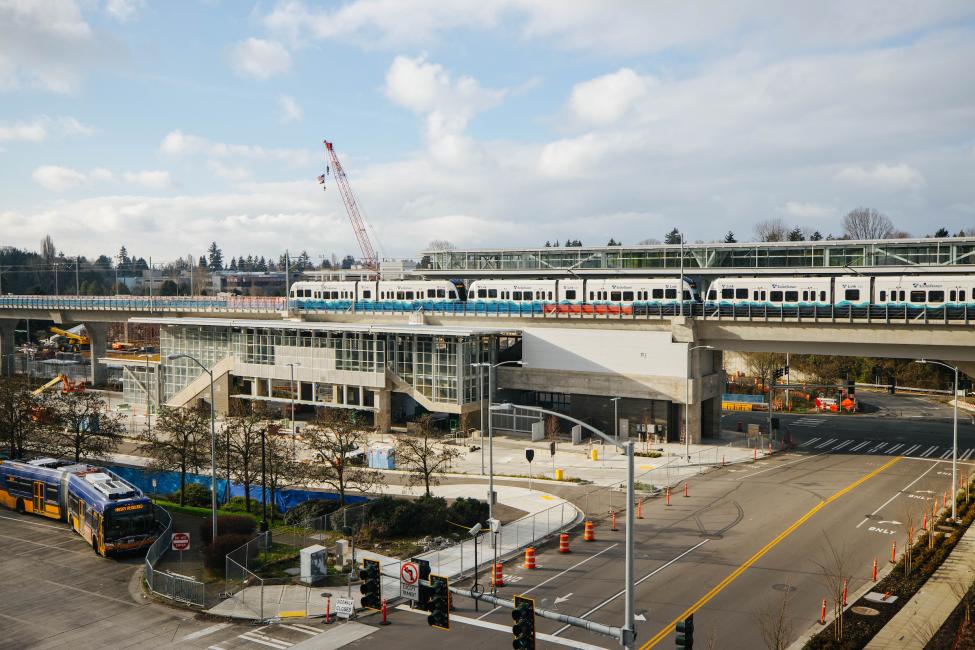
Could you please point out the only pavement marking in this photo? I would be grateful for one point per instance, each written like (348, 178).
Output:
(904, 489)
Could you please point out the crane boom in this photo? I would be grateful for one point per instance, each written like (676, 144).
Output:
(369, 257)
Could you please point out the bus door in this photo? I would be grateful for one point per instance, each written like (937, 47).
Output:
(81, 517)
(39, 496)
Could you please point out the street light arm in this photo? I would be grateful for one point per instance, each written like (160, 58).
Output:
(508, 406)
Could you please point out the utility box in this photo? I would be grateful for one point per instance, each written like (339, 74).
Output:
(538, 431)
(382, 457)
(313, 565)
(577, 434)
(342, 551)
(624, 426)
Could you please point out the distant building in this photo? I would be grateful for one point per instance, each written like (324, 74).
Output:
(248, 283)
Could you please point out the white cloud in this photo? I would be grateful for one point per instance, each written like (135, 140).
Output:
(177, 143)
(259, 58)
(33, 131)
(101, 174)
(233, 173)
(71, 126)
(124, 10)
(58, 179)
(606, 99)
(152, 179)
(883, 176)
(802, 210)
(290, 110)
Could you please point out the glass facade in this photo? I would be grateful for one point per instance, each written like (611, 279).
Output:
(831, 254)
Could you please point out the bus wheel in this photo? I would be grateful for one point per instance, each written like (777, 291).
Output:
(20, 506)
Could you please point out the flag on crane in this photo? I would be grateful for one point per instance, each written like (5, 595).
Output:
(321, 179)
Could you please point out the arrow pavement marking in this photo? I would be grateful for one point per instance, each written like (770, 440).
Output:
(639, 617)
(865, 519)
(562, 599)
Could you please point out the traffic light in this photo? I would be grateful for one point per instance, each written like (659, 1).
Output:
(523, 628)
(851, 387)
(777, 373)
(685, 633)
(892, 384)
(371, 586)
(423, 593)
(439, 603)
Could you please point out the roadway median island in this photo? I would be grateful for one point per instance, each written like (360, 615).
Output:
(908, 605)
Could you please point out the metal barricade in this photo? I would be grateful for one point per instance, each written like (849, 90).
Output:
(178, 588)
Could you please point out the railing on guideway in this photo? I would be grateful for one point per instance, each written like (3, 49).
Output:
(194, 304)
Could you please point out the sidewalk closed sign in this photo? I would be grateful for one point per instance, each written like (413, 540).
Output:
(344, 607)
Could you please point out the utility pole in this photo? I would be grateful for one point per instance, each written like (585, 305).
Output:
(77, 276)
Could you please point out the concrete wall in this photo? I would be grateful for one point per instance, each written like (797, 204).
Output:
(615, 352)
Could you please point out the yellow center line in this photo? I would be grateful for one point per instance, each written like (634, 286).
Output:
(706, 598)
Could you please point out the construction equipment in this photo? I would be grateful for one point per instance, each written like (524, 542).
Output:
(69, 386)
(70, 340)
(369, 258)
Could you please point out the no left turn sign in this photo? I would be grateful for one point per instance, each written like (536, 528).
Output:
(409, 573)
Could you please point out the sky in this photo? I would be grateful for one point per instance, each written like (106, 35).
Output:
(487, 123)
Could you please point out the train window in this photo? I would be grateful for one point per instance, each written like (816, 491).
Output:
(775, 296)
(936, 296)
(516, 295)
(366, 294)
(852, 294)
(628, 296)
(822, 296)
(954, 295)
(727, 294)
(452, 294)
(492, 293)
(658, 294)
(741, 294)
(431, 293)
(712, 294)
(616, 296)
(902, 296)
(883, 296)
(918, 296)
(805, 296)
(670, 294)
(409, 295)
(961, 296)
(442, 293)
(482, 293)
(791, 296)
(400, 295)
(570, 294)
(755, 295)
(549, 295)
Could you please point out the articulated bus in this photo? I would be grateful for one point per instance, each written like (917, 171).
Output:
(110, 514)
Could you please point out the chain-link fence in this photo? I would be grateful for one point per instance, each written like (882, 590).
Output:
(179, 588)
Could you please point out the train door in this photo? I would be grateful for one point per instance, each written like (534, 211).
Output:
(39, 497)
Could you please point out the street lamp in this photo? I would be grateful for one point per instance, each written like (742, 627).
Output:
(687, 399)
(954, 438)
(292, 366)
(628, 635)
(213, 437)
(491, 368)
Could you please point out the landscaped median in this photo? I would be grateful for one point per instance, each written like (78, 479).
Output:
(864, 619)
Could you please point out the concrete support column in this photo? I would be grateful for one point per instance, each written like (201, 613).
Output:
(7, 347)
(694, 397)
(98, 337)
(383, 402)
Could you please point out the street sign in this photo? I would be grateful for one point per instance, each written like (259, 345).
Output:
(530, 454)
(409, 591)
(344, 607)
(181, 542)
(409, 573)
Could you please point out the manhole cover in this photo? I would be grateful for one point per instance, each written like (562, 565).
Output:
(864, 611)
(783, 587)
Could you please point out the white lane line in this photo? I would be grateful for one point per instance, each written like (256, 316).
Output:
(861, 445)
(205, 632)
(894, 448)
(967, 454)
(809, 442)
(841, 445)
(304, 629)
(791, 462)
(571, 643)
(24, 520)
(908, 452)
(558, 575)
(827, 443)
(904, 489)
(641, 580)
(254, 637)
(214, 647)
(930, 450)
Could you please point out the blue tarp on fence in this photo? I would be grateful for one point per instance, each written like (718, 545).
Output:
(168, 482)
(742, 398)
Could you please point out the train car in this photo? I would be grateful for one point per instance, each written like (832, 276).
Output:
(514, 293)
(770, 292)
(413, 293)
(852, 291)
(109, 513)
(924, 291)
(650, 291)
(339, 294)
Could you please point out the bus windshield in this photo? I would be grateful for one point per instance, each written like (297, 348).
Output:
(120, 524)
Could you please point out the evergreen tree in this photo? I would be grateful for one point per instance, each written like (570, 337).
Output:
(942, 232)
(303, 262)
(203, 262)
(348, 262)
(816, 236)
(233, 263)
(796, 234)
(673, 237)
(215, 257)
(730, 238)
(261, 265)
(548, 244)
(123, 258)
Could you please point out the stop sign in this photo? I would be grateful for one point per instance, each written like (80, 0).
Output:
(181, 541)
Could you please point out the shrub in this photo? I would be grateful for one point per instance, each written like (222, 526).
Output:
(467, 511)
(310, 509)
(229, 525)
(196, 495)
(214, 557)
(239, 504)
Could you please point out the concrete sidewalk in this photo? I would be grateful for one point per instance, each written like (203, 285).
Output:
(924, 614)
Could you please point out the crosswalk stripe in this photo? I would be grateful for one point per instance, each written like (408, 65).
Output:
(304, 629)
(265, 640)
(929, 451)
(861, 445)
(966, 455)
(827, 443)
(908, 452)
(841, 445)
(894, 448)
(809, 442)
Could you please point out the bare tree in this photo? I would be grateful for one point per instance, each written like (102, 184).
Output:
(422, 457)
(440, 245)
(333, 438)
(761, 364)
(834, 569)
(19, 415)
(281, 464)
(48, 252)
(80, 426)
(552, 429)
(867, 223)
(180, 441)
(774, 622)
(244, 429)
(774, 229)
(648, 242)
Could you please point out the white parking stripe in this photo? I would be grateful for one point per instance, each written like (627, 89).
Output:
(967, 454)
(827, 443)
(841, 445)
(861, 445)
(929, 451)
(894, 448)
(947, 453)
(809, 442)
(877, 448)
(908, 452)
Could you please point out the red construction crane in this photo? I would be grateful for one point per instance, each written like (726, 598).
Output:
(369, 257)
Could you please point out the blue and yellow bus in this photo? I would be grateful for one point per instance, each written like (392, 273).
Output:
(109, 513)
